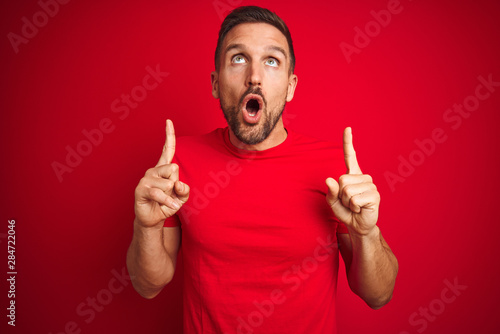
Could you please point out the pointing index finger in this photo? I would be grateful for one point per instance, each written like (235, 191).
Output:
(349, 154)
(169, 148)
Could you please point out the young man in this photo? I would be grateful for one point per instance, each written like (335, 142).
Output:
(260, 242)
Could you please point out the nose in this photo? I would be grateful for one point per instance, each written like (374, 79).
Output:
(255, 74)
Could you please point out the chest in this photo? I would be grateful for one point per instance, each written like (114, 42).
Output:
(253, 209)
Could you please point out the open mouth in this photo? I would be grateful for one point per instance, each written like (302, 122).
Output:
(252, 108)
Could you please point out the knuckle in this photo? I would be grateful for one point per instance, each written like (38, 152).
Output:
(145, 180)
(175, 167)
(143, 183)
(139, 190)
(345, 202)
(140, 184)
(169, 184)
(153, 192)
(156, 194)
(354, 200)
(347, 191)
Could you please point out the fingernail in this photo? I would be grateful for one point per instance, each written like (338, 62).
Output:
(176, 205)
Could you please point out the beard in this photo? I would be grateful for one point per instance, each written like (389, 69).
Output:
(252, 134)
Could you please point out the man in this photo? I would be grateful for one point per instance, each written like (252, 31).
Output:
(259, 241)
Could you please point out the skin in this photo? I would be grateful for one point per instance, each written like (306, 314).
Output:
(371, 266)
(251, 66)
(257, 65)
(152, 254)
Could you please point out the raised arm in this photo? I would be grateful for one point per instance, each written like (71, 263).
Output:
(152, 254)
(370, 264)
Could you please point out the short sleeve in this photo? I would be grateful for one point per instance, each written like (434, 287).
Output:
(172, 221)
(341, 228)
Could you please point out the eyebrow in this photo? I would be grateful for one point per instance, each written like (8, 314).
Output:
(243, 47)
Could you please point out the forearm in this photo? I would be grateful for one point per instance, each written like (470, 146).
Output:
(373, 270)
(149, 265)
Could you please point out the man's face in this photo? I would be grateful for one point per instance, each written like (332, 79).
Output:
(253, 82)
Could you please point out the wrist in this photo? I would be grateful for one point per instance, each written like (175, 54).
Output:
(146, 237)
(147, 229)
(369, 236)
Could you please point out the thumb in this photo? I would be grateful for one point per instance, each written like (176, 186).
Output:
(333, 200)
(182, 191)
(333, 191)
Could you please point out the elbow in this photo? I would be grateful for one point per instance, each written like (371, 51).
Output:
(147, 294)
(149, 291)
(384, 297)
(380, 299)
(375, 298)
(378, 303)
(147, 284)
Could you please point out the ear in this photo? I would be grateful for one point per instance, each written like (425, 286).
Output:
(214, 76)
(292, 84)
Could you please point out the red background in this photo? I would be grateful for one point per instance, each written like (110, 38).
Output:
(440, 222)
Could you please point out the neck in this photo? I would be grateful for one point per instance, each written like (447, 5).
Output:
(276, 137)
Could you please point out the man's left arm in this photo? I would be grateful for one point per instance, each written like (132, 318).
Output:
(370, 264)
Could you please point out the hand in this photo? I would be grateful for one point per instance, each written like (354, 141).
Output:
(160, 194)
(354, 199)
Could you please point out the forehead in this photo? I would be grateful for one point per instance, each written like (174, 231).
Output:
(254, 34)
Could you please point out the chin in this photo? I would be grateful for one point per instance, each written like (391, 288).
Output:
(251, 134)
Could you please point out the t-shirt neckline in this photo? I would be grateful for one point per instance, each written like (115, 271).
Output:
(251, 154)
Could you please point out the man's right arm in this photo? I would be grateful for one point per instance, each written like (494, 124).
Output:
(152, 254)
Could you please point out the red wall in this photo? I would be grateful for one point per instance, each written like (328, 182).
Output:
(394, 86)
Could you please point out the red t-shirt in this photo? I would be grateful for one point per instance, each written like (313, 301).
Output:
(259, 240)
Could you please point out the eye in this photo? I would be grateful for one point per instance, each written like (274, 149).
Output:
(272, 62)
(238, 59)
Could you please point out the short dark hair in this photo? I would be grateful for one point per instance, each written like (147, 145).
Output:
(253, 14)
